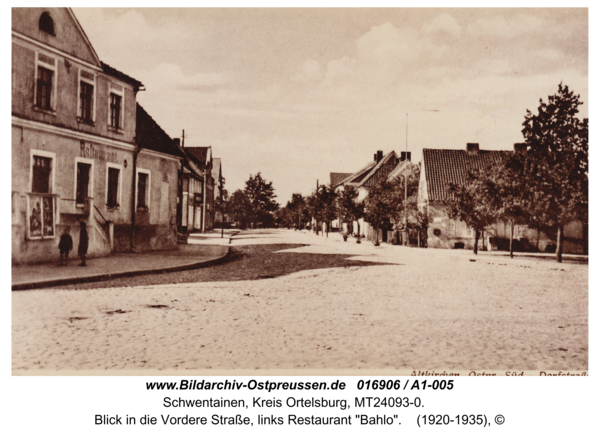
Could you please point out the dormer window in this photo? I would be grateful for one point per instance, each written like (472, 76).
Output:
(47, 24)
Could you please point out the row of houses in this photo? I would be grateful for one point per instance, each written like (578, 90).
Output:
(84, 150)
(438, 168)
(381, 168)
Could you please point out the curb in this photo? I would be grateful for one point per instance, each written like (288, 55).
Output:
(103, 277)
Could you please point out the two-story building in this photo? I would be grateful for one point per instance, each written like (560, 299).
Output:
(74, 152)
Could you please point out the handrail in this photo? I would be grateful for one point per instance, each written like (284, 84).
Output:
(100, 213)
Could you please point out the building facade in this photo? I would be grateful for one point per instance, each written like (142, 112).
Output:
(74, 148)
(382, 168)
(198, 192)
(442, 167)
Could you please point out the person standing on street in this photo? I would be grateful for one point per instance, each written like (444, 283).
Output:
(65, 245)
(83, 243)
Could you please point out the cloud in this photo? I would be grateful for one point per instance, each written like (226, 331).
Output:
(443, 24)
(168, 78)
(503, 27)
(311, 72)
(108, 34)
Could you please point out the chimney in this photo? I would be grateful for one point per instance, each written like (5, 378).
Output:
(379, 156)
(472, 148)
(520, 148)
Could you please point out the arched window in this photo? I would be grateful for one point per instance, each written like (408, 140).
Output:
(47, 24)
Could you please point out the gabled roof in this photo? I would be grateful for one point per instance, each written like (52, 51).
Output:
(442, 167)
(152, 137)
(68, 37)
(121, 76)
(201, 155)
(371, 170)
(401, 168)
(336, 179)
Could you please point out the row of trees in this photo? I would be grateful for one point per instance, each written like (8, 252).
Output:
(385, 207)
(545, 186)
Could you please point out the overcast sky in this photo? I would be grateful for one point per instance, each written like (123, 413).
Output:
(299, 93)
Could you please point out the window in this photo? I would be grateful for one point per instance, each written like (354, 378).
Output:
(115, 111)
(142, 190)
(86, 94)
(83, 182)
(112, 188)
(45, 83)
(40, 174)
(44, 88)
(47, 24)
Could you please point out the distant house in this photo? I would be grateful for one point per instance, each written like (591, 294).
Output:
(442, 167)
(197, 196)
(381, 168)
(336, 179)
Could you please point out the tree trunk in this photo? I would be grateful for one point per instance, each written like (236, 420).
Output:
(476, 241)
(585, 238)
(559, 240)
(512, 229)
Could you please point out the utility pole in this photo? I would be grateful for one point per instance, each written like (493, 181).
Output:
(406, 187)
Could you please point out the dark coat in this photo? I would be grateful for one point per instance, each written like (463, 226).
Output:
(83, 241)
(66, 243)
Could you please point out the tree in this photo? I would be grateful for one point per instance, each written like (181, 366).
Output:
(239, 208)
(408, 211)
(383, 205)
(260, 200)
(556, 163)
(322, 206)
(468, 202)
(298, 210)
(349, 209)
(505, 191)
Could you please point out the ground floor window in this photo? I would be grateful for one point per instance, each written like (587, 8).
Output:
(41, 174)
(112, 189)
(143, 189)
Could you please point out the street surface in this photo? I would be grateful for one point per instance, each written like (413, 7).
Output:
(330, 305)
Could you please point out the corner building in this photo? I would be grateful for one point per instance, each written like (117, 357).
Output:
(73, 142)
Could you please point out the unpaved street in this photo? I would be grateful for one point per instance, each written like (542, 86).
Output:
(396, 308)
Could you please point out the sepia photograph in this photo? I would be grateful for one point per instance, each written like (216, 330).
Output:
(299, 191)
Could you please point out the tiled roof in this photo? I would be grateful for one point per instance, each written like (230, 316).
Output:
(120, 75)
(364, 175)
(199, 154)
(337, 178)
(450, 166)
(152, 137)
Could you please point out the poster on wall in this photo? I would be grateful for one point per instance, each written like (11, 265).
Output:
(40, 216)
(34, 215)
